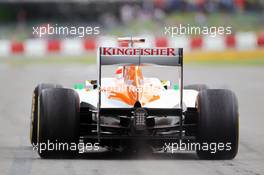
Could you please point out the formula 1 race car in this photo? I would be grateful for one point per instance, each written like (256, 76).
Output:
(120, 111)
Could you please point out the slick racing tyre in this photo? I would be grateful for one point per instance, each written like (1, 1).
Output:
(197, 87)
(58, 127)
(34, 109)
(218, 122)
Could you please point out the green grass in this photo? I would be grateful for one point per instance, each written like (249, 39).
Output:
(86, 60)
(226, 62)
(238, 21)
(90, 59)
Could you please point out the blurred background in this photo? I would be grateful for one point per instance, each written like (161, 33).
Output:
(132, 18)
(233, 61)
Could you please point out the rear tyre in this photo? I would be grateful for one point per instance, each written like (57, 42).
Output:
(58, 127)
(197, 87)
(34, 109)
(218, 124)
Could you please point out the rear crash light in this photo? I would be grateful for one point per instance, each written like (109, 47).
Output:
(140, 116)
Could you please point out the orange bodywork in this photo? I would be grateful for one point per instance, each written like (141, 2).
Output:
(134, 87)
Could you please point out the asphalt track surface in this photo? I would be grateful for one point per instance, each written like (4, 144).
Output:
(17, 157)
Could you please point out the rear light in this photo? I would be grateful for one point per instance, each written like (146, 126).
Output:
(140, 116)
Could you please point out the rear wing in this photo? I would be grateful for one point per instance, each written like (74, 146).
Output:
(140, 56)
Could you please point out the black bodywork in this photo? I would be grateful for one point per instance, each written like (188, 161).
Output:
(118, 126)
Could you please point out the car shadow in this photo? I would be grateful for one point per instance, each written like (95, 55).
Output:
(138, 156)
(116, 155)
